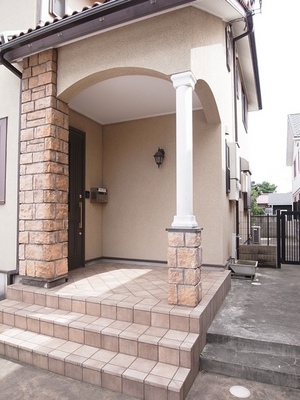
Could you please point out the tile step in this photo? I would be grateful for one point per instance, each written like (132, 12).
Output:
(249, 364)
(261, 346)
(174, 347)
(124, 308)
(134, 376)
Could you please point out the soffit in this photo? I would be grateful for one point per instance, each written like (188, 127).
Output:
(128, 98)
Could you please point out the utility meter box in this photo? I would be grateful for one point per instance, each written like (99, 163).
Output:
(98, 195)
(256, 235)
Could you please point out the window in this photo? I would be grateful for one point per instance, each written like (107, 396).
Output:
(57, 8)
(244, 109)
(3, 133)
(227, 169)
(228, 46)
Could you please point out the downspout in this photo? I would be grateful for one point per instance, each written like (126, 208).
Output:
(9, 66)
(235, 40)
(249, 31)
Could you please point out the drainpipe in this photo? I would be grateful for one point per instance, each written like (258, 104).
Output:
(249, 31)
(9, 66)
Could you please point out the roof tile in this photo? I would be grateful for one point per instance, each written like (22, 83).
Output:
(56, 19)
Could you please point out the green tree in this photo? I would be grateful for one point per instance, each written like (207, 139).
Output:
(264, 187)
(257, 190)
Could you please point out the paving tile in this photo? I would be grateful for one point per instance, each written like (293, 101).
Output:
(123, 360)
(133, 383)
(164, 370)
(85, 351)
(104, 355)
(143, 365)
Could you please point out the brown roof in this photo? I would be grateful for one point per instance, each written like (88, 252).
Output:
(56, 19)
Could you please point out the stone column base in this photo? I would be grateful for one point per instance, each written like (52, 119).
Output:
(184, 262)
(44, 283)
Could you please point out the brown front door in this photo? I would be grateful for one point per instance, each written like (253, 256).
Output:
(76, 199)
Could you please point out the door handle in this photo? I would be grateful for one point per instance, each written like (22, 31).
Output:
(80, 215)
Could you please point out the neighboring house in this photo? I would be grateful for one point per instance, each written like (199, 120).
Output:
(87, 100)
(293, 155)
(271, 202)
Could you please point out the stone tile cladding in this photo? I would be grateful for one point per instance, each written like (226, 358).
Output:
(43, 197)
(184, 262)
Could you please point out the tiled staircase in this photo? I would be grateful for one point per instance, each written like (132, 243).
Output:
(138, 349)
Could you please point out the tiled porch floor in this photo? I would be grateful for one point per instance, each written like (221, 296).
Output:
(123, 280)
(137, 287)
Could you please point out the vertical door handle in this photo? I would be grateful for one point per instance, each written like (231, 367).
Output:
(80, 215)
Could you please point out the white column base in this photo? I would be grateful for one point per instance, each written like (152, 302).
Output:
(184, 221)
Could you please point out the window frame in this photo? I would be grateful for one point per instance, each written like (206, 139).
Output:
(3, 150)
(244, 108)
(227, 170)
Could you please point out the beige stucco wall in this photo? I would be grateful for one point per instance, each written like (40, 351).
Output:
(8, 211)
(185, 39)
(141, 202)
(210, 200)
(142, 197)
(10, 107)
(93, 178)
(24, 15)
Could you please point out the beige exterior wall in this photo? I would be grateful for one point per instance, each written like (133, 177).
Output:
(181, 40)
(93, 178)
(10, 108)
(141, 197)
(24, 18)
(8, 211)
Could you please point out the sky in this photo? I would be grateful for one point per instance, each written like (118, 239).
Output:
(277, 34)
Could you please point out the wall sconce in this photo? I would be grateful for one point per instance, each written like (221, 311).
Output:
(159, 156)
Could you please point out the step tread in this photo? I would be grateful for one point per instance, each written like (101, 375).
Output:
(171, 338)
(251, 359)
(264, 346)
(148, 311)
(78, 361)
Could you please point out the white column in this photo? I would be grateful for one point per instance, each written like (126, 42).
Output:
(184, 83)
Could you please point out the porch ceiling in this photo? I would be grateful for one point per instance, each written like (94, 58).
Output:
(128, 98)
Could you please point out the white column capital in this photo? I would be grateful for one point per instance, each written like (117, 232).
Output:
(184, 79)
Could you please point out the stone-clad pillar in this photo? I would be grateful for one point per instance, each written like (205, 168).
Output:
(184, 262)
(43, 217)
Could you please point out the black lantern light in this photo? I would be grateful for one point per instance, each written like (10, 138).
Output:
(159, 156)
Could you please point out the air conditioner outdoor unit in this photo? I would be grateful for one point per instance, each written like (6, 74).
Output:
(256, 234)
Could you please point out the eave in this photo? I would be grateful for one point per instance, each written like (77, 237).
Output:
(119, 12)
(85, 23)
